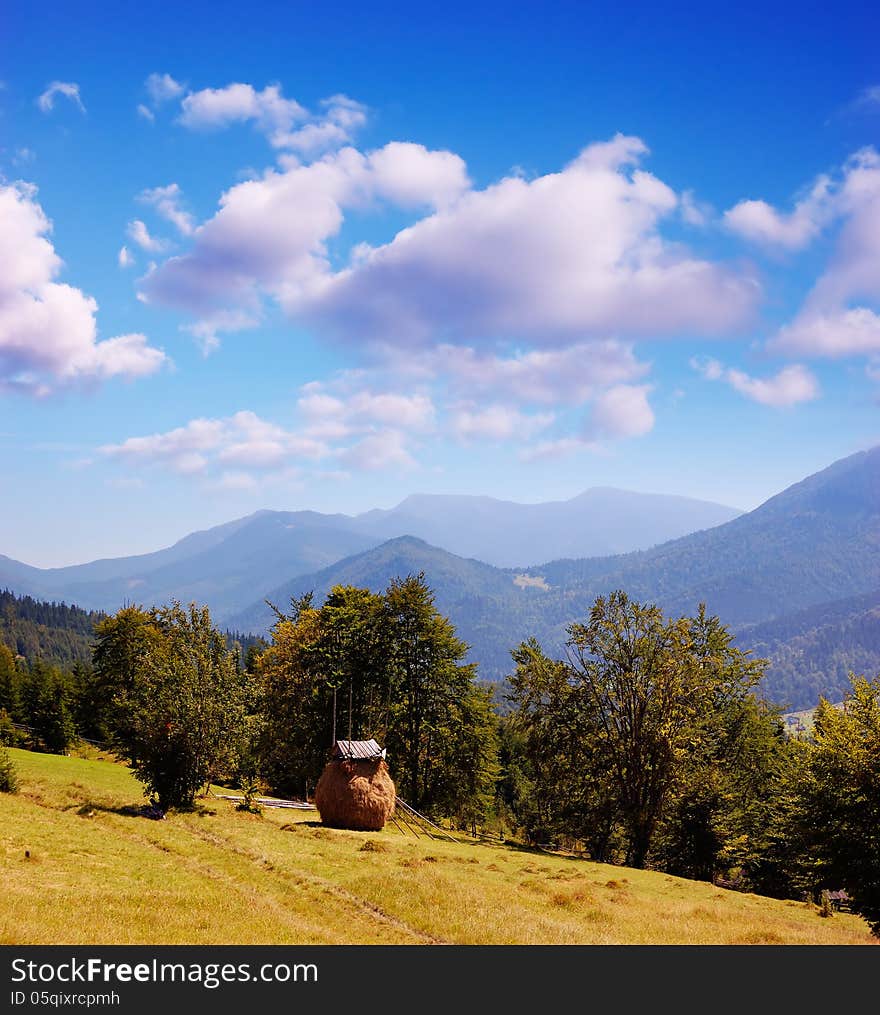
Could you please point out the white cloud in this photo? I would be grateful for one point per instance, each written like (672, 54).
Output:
(163, 88)
(287, 124)
(138, 233)
(69, 89)
(124, 257)
(167, 201)
(497, 423)
(410, 175)
(330, 416)
(790, 386)
(622, 411)
(335, 127)
(48, 334)
(215, 108)
(793, 384)
(570, 256)
(569, 375)
(245, 443)
(270, 235)
(146, 113)
(839, 316)
(760, 222)
(834, 335)
(123, 356)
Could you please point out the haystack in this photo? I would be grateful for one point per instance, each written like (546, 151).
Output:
(355, 794)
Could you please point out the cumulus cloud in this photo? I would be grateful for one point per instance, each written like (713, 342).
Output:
(332, 416)
(270, 234)
(334, 127)
(167, 202)
(793, 384)
(834, 335)
(366, 431)
(839, 316)
(570, 256)
(124, 257)
(622, 411)
(139, 233)
(762, 223)
(68, 89)
(215, 108)
(287, 124)
(790, 386)
(569, 375)
(48, 334)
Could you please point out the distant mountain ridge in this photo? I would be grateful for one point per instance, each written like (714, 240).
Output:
(815, 546)
(598, 522)
(796, 578)
(227, 565)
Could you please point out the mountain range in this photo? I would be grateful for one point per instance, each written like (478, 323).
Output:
(797, 579)
(226, 565)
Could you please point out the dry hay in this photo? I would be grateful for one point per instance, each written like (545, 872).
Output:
(357, 795)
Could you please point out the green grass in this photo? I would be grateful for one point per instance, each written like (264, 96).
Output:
(77, 869)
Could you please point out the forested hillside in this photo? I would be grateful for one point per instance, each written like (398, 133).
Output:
(54, 632)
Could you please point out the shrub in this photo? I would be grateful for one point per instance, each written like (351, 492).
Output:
(8, 774)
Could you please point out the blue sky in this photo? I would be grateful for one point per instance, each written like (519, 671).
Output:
(323, 257)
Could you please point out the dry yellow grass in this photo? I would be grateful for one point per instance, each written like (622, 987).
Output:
(97, 876)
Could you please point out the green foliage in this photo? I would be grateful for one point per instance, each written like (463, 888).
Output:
(54, 632)
(385, 666)
(46, 696)
(841, 799)
(8, 774)
(640, 744)
(179, 696)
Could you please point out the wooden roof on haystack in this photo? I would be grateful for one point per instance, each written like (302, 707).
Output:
(357, 750)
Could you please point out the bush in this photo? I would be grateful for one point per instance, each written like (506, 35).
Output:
(9, 735)
(8, 774)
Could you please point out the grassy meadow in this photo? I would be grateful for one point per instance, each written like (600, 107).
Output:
(77, 869)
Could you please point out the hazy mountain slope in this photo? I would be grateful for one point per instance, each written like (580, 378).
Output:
(814, 651)
(507, 534)
(227, 565)
(490, 611)
(270, 548)
(817, 542)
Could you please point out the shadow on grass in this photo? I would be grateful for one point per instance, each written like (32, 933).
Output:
(150, 811)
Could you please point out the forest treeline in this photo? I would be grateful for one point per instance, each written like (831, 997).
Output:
(646, 744)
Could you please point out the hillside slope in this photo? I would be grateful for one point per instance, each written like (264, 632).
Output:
(78, 867)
